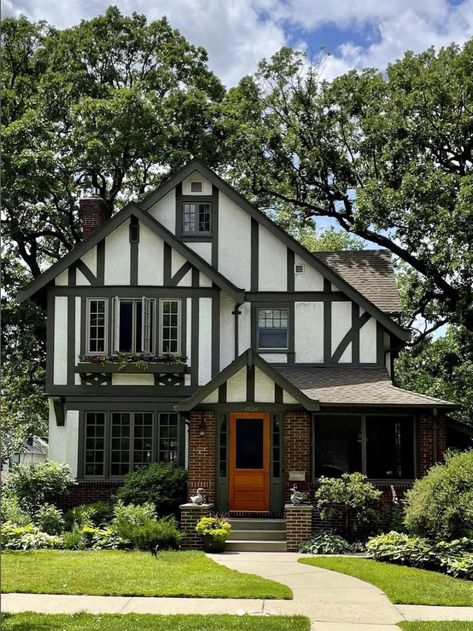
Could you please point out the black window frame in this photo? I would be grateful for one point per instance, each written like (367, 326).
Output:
(363, 418)
(263, 349)
(198, 232)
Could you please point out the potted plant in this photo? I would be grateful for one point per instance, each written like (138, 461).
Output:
(215, 531)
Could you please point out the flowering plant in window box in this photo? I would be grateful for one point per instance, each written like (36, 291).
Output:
(141, 361)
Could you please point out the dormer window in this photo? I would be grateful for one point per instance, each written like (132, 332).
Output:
(196, 218)
(196, 186)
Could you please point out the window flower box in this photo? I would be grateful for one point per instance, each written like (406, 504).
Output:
(132, 363)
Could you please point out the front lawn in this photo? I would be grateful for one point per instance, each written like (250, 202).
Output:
(405, 585)
(146, 622)
(130, 573)
(436, 626)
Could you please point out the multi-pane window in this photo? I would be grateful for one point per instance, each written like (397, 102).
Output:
(196, 217)
(382, 447)
(142, 439)
(94, 443)
(120, 443)
(271, 327)
(97, 326)
(116, 443)
(134, 325)
(168, 435)
(276, 446)
(170, 328)
(223, 447)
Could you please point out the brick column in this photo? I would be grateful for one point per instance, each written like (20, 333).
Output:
(297, 448)
(298, 525)
(201, 469)
(429, 434)
(190, 515)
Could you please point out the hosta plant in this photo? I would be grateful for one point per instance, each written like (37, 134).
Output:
(325, 543)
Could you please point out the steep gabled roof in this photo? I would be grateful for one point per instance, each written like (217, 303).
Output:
(248, 358)
(370, 272)
(108, 227)
(354, 291)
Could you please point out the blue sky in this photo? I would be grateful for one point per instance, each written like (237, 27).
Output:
(238, 33)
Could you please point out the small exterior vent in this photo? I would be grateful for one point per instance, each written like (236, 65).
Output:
(300, 269)
(196, 186)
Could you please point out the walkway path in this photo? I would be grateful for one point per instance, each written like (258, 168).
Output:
(332, 601)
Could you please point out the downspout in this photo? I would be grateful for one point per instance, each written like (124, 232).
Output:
(236, 313)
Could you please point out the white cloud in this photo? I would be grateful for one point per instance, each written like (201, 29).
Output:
(237, 35)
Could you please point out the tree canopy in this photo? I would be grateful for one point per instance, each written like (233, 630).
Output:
(388, 156)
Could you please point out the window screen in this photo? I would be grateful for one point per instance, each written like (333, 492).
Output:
(337, 442)
(390, 447)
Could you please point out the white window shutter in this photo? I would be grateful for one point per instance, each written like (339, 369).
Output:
(146, 324)
(116, 324)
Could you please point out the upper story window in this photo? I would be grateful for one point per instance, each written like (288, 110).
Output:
(196, 217)
(97, 325)
(134, 325)
(170, 319)
(271, 328)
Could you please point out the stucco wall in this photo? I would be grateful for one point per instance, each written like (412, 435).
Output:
(234, 242)
(309, 332)
(117, 256)
(60, 341)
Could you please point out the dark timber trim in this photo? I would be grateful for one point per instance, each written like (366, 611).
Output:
(181, 272)
(167, 264)
(126, 291)
(134, 263)
(101, 262)
(82, 267)
(254, 255)
(236, 312)
(291, 258)
(312, 296)
(255, 213)
(222, 393)
(248, 358)
(178, 213)
(250, 384)
(353, 334)
(278, 393)
(214, 225)
(72, 278)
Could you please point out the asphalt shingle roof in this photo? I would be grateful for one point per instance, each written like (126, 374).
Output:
(369, 385)
(370, 272)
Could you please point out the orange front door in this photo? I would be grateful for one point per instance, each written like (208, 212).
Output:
(249, 462)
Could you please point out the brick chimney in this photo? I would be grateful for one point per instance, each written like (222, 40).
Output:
(93, 211)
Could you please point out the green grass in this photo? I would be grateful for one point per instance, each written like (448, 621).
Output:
(401, 584)
(129, 573)
(436, 626)
(146, 622)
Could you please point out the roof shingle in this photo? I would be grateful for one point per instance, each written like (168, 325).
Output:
(370, 272)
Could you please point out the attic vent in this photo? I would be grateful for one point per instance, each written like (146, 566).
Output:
(300, 269)
(196, 186)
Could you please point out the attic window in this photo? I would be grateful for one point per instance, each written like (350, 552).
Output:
(196, 186)
(196, 218)
(300, 269)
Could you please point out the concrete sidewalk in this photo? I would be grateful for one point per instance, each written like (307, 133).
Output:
(332, 601)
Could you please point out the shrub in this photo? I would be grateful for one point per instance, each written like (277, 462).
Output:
(27, 537)
(162, 484)
(91, 537)
(325, 543)
(96, 514)
(11, 510)
(217, 528)
(350, 499)
(131, 514)
(36, 484)
(440, 505)
(49, 519)
(138, 524)
(453, 557)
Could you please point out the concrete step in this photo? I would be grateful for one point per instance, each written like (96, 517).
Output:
(258, 535)
(257, 524)
(255, 546)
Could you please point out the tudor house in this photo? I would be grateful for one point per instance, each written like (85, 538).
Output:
(190, 328)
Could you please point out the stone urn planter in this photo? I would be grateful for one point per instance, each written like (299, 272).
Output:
(211, 544)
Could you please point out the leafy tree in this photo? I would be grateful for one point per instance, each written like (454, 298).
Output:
(441, 368)
(113, 103)
(388, 156)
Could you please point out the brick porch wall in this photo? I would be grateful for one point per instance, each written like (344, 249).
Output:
(426, 436)
(87, 492)
(202, 463)
(297, 448)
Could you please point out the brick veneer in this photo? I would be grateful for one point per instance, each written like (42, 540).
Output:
(298, 525)
(201, 472)
(94, 211)
(190, 515)
(429, 453)
(87, 492)
(297, 448)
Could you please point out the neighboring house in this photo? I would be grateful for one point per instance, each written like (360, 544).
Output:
(32, 451)
(288, 362)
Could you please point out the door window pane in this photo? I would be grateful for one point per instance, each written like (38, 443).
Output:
(272, 328)
(390, 447)
(337, 443)
(249, 443)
